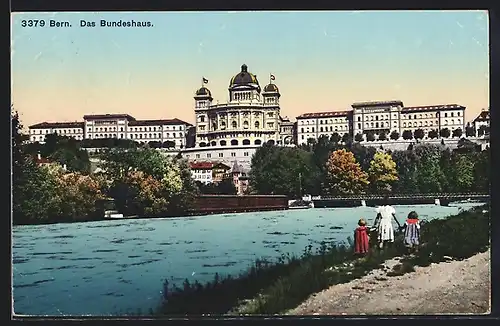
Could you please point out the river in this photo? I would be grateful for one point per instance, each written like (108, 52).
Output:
(117, 267)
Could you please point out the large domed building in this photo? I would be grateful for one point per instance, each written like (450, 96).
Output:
(233, 130)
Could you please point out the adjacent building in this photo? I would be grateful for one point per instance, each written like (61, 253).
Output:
(482, 121)
(121, 126)
(380, 117)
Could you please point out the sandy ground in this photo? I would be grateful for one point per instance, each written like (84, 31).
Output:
(452, 287)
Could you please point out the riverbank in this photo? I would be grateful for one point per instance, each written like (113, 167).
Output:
(459, 236)
(451, 287)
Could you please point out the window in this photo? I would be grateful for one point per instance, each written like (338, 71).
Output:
(312, 129)
(209, 155)
(445, 114)
(452, 114)
(233, 154)
(257, 124)
(445, 122)
(245, 154)
(359, 118)
(321, 129)
(221, 154)
(458, 114)
(202, 118)
(197, 155)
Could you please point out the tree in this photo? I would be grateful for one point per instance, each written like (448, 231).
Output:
(335, 138)
(283, 171)
(470, 131)
(394, 135)
(463, 168)
(429, 174)
(346, 138)
(382, 173)
(168, 144)
(433, 134)
(382, 136)
(344, 174)
(118, 162)
(445, 133)
(370, 136)
(358, 137)
(457, 133)
(407, 134)
(419, 133)
(482, 171)
(363, 154)
(483, 130)
(406, 163)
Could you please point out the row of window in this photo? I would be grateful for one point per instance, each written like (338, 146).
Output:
(130, 129)
(209, 155)
(336, 128)
(312, 122)
(62, 131)
(233, 142)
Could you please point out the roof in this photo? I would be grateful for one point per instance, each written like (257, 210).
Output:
(432, 108)
(201, 165)
(203, 91)
(483, 116)
(377, 103)
(174, 121)
(47, 125)
(271, 88)
(243, 77)
(324, 114)
(221, 165)
(108, 116)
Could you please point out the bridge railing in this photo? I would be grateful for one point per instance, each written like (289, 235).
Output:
(413, 196)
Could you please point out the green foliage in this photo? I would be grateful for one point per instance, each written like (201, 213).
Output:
(433, 134)
(445, 133)
(419, 133)
(225, 187)
(382, 173)
(344, 174)
(283, 171)
(407, 134)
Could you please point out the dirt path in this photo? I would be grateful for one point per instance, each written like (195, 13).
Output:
(446, 288)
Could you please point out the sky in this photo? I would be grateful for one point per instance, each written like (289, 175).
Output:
(322, 61)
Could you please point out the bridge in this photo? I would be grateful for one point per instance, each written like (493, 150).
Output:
(442, 199)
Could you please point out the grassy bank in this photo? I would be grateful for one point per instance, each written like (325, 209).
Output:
(275, 287)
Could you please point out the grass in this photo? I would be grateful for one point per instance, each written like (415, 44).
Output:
(276, 287)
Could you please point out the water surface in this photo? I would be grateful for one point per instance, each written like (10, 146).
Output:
(114, 267)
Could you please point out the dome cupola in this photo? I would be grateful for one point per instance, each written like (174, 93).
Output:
(204, 92)
(244, 78)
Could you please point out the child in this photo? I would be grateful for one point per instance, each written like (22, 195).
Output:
(361, 238)
(412, 231)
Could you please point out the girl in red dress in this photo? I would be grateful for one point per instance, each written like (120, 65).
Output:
(361, 238)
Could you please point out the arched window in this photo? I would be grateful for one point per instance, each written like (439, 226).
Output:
(246, 142)
(234, 142)
(214, 143)
(223, 143)
(257, 125)
(234, 124)
(257, 142)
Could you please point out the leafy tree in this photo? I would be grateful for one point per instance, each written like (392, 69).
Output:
(482, 171)
(168, 144)
(344, 174)
(382, 173)
(419, 133)
(335, 138)
(457, 132)
(483, 130)
(394, 135)
(370, 136)
(470, 131)
(407, 134)
(429, 174)
(382, 136)
(118, 162)
(346, 138)
(283, 171)
(433, 134)
(463, 170)
(445, 133)
(358, 137)
(364, 155)
(406, 163)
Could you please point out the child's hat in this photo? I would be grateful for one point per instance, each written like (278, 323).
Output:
(413, 215)
(362, 222)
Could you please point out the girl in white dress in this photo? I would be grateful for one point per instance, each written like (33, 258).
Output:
(385, 231)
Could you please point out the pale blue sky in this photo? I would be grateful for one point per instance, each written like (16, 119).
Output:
(323, 61)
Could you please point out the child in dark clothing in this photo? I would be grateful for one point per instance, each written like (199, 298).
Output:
(412, 232)
(361, 238)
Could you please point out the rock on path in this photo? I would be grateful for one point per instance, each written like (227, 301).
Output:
(454, 287)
